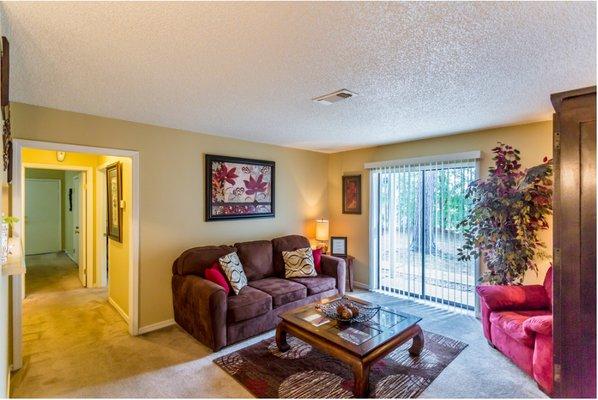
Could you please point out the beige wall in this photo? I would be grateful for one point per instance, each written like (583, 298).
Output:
(534, 141)
(172, 189)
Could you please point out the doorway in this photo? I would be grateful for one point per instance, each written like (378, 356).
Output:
(416, 209)
(85, 197)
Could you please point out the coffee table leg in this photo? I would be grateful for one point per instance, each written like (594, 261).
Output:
(418, 342)
(281, 338)
(361, 374)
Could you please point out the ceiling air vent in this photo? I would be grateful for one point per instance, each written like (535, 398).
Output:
(339, 95)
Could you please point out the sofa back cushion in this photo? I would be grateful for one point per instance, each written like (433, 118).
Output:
(195, 260)
(286, 243)
(256, 258)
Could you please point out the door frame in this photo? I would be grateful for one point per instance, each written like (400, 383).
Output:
(101, 212)
(60, 189)
(87, 237)
(17, 210)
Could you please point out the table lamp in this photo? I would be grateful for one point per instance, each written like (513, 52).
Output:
(322, 232)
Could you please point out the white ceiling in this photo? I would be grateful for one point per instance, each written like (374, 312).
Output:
(250, 70)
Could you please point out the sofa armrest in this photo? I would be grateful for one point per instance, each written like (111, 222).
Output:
(541, 324)
(200, 308)
(336, 268)
(528, 297)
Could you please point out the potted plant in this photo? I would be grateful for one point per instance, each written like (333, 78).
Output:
(508, 210)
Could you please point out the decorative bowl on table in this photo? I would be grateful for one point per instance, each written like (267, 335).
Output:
(347, 311)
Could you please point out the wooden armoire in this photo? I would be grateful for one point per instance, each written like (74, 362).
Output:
(574, 308)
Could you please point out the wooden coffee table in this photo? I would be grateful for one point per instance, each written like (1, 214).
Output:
(359, 345)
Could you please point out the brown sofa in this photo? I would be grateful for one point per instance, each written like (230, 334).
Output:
(202, 308)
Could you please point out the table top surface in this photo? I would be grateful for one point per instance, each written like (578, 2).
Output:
(357, 338)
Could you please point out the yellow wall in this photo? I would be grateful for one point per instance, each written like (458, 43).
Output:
(118, 271)
(534, 141)
(172, 189)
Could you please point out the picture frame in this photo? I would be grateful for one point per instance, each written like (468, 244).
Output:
(352, 194)
(338, 246)
(238, 188)
(114, 199)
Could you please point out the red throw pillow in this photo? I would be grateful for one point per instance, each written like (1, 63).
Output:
(215, 275)
(317, 253)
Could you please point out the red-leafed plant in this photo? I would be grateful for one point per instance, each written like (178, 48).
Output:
(508, 210)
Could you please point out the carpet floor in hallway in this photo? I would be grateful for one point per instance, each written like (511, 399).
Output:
(76, 345)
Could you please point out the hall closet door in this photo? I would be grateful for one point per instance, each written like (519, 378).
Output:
(574, 292)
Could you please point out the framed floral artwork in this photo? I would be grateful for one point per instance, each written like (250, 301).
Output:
(352, 194)
(115, 195)
(238, 188)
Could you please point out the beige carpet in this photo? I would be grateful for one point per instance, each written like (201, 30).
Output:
(77, 345)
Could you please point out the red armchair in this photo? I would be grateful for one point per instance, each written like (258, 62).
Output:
(517, 320)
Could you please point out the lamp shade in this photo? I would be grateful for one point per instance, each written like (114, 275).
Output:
(322, 229)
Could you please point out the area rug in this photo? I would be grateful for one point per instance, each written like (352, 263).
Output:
(305, 372)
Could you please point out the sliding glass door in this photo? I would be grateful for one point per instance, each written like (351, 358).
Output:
(417, 208)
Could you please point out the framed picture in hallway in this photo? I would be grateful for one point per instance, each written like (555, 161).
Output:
(238, 188)
(352, 194)
(115, 195)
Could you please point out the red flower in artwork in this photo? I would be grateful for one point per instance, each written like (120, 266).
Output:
(224, 174)
(255, 186)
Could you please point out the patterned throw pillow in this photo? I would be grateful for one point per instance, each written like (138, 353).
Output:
(232, 267)
(299, 263)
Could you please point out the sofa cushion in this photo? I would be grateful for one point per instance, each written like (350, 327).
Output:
(299, 263)
(248, 303)
(286, 243)
(511, 323)
(317, 284)
(317, 254)
(283, 291)
(216, 275)
(232, 267)
(194, 261)
(256, 258)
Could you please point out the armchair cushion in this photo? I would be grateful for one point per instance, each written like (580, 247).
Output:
(528, 297)
(540, 324)
(317, 284)
(511, 323)
(282, 291)
(248, 303)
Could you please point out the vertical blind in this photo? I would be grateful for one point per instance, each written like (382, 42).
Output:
(417, 207)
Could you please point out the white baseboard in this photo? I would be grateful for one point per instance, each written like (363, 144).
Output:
(118, 309)
(361, 285)
(156, 326)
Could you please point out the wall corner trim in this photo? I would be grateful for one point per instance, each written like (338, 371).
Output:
(118, 309)
(156, 326)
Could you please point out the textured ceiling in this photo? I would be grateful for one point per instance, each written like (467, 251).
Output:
(250, 70)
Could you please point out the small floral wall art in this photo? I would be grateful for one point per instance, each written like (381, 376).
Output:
(238, 188)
